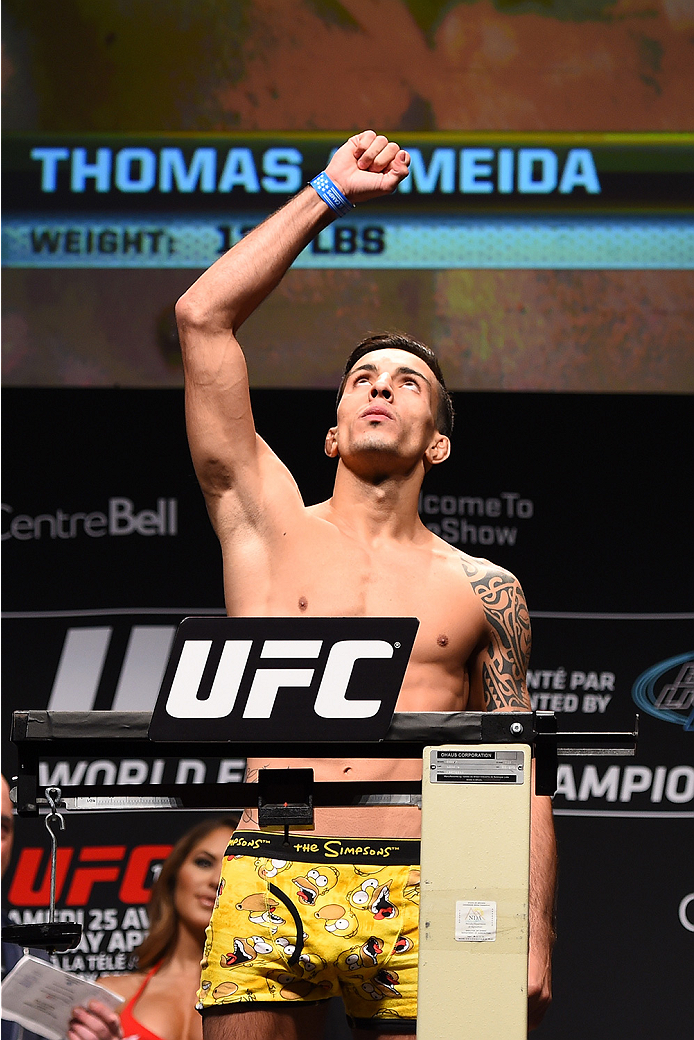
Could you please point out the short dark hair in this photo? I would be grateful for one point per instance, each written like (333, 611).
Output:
(398, 341)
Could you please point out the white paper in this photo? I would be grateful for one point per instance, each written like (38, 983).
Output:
(41, 997)
(475, 920)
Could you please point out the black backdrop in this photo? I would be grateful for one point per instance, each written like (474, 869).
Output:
(586, 498)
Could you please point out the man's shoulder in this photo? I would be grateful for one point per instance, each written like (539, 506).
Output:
(482, 572)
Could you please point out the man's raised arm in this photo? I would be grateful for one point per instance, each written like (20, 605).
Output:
(220, 424)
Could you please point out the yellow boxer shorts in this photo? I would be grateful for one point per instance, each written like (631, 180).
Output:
(317, 918)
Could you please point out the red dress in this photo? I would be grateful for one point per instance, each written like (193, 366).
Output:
(132, 1029)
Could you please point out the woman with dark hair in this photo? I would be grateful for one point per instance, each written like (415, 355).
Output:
(160, 997)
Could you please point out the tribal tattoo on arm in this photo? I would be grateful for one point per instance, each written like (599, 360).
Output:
(505, 659)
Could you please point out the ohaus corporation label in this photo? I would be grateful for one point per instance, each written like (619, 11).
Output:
(476, 767)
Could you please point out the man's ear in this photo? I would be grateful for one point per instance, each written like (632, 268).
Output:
(331, 443)
(439, 450)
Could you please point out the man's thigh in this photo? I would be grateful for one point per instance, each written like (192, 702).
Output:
(369, 1034)
(297, 1023)
(248, 1023)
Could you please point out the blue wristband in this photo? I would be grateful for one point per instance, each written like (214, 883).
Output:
(331, 194)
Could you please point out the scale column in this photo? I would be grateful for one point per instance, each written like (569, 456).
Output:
(473, 916)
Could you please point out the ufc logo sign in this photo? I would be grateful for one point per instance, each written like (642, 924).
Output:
(282, 678)
(330, 700)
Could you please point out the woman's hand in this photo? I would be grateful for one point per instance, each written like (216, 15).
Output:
(95, 1022)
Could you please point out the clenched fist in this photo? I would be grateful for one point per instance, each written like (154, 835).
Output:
(368, 165)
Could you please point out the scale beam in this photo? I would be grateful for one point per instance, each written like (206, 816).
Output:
(49, 734)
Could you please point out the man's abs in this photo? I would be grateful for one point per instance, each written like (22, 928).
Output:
(370, 821)
(318, 571)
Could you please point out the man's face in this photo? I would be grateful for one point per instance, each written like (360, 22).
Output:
(388, 409)
(7, 825)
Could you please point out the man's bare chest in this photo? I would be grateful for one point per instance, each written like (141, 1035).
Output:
(321, 572)
(381, 580)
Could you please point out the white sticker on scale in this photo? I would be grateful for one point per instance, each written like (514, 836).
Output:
(475, 921)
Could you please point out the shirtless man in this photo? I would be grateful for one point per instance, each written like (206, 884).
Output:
(364, 552)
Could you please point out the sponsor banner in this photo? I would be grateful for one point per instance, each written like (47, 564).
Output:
(592, 672)
(466, 520)
(84, 661)
(476, 171)
(117, 518)
(666, 690)
(586, 669)
(686, 912)
(137, 536)
(403, 243)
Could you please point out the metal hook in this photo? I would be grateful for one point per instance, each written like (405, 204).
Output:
(53, 795)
